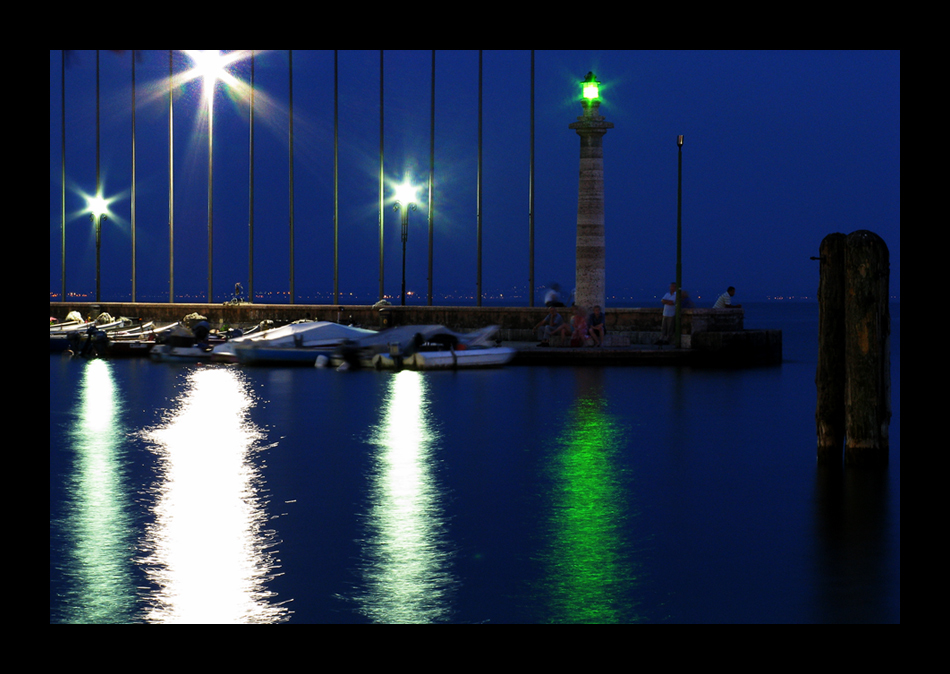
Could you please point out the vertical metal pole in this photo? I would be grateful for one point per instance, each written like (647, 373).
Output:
(98, 183)
(431, 171)
(171, 183)
(133, 175)
(290, 57)
(336, 178)
(250, 206)
(478, 215)
(381, 174)
(210, 190)
(405, 237)
(62, 116)
(531, 198)
(678, 341)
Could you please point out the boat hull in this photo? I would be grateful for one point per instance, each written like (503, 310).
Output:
(257, 355)
(442, 359)
(164, 353)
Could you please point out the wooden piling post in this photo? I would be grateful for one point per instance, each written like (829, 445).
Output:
(867, 349)
(830, 378)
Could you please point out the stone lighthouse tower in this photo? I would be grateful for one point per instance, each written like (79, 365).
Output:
(591, 127)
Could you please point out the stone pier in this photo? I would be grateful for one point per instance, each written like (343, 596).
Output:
(710, 336)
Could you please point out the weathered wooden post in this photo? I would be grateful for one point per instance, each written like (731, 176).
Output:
(854, 365)
(867, 349)
(830, 378)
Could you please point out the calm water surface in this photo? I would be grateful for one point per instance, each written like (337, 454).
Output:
(185, 493)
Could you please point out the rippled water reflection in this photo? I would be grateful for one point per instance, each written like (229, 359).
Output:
(590, 573)
(97, 524)
(522, 494)
(406, 561)
(208, 553)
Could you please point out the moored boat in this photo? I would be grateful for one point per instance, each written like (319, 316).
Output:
(297, 343)
(186, 344)
(424, 347)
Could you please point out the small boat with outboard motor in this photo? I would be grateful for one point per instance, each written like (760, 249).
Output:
(424, 347)
(191, 340)
(86, 338)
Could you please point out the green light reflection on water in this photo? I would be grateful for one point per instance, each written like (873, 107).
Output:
(590, 574)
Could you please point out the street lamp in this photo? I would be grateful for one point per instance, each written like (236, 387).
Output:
(98, 207)
(210, 66)
(405, 200)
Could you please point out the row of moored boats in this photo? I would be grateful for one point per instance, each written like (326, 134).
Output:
(311, 343)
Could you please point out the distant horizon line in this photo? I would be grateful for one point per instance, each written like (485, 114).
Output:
(369, 298)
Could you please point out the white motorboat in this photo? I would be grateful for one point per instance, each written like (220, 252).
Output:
(300, 343)
(424, 347)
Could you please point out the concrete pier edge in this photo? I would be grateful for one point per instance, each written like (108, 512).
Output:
(711, 337)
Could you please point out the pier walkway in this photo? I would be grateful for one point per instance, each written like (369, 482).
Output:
(711, 337)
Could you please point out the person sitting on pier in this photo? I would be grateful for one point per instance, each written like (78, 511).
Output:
(725, 300)
(597, 326)
(577, 328)
(549, 326)
(579, 334)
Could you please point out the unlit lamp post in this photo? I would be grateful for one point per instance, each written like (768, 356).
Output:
(678, 341)
(405, 200)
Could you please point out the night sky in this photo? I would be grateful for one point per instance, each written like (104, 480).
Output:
(781, 149)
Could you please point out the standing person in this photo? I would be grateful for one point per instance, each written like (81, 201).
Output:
(549, 326)
(552, 298)
(597, 326)
(725, 300)
(669, 316)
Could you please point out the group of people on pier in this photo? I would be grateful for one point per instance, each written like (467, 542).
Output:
(589, 329)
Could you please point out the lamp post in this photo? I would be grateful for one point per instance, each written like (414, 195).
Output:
(591, 127)
(210, 66)
(678, 341)
(98, 207)
(405, 200)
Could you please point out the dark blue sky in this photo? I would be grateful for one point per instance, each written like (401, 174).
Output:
(781, 149)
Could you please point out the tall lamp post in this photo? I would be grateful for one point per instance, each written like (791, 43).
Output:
(679, 245)
(405, 201)
(210, 66)
(98, 207)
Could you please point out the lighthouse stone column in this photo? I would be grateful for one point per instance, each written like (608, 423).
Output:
(590, 265)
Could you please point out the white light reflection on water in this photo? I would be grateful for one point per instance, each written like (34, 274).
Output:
(208, 553)
(406, 560)
(98, 517)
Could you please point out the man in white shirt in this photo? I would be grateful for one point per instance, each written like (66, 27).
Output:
(669, 316)
(725, 300)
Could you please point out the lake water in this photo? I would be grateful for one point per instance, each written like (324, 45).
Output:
(186, 493)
